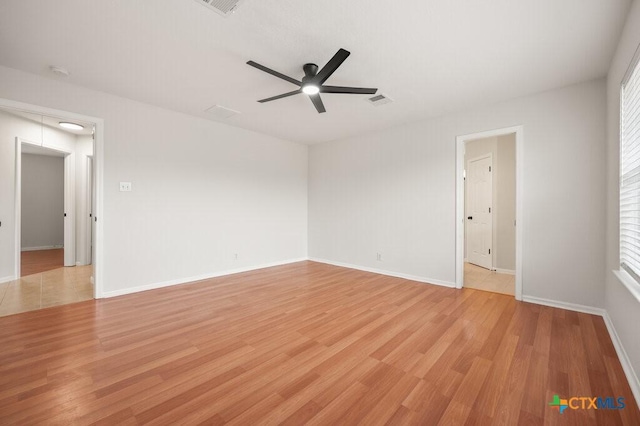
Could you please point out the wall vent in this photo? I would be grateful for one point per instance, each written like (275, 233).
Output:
(222, 7)
(380, 99)
(221, 112)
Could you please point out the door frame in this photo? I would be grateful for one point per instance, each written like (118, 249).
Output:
(488, 155)
(460, 199)
(98, 184)
(69, 205)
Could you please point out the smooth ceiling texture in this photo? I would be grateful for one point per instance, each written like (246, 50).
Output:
(431, 57)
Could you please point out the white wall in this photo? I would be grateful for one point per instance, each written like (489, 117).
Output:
(622, 307)
(505, 202)
(42, 221)
(394, 192)
(10, 127)
(202, 191)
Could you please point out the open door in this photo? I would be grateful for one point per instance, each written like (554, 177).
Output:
(479, 205)
(69, 211)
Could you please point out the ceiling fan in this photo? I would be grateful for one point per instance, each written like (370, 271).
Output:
(312, 83)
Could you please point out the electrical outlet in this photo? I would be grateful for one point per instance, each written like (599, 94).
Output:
(379, 256)
(235, 256)
(125, 186)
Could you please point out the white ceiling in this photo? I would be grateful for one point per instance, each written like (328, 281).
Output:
(432, 57)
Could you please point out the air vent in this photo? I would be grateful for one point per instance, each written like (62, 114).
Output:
(223, 7)
(221, 112)
(378, 100)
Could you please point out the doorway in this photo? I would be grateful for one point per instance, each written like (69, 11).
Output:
(55, 249)
(44, 227)
(488, 223)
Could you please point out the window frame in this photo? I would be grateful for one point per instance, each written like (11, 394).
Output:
(625, 273)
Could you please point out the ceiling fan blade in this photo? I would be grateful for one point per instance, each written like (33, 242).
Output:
(274, 73)
(317, 102)
(331, 66)
(350, 90)
(284, 95)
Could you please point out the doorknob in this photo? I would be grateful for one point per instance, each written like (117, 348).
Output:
(470, 217)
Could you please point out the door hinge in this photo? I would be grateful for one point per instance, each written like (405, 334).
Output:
(489, 251)
(489, 168)
(489, 209)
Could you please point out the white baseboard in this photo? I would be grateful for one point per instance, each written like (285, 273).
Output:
(7, 279)
(564, 305)
(40, 248)
(505, 271)
(388, 273)
(153, 286)
(632, 378)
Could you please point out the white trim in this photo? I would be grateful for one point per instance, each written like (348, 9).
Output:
(88, 215)
(54, 247)
(632, 378)
(7, 279)
(505, 271)
(17, 207)
(628, 281)
(564, 305)
(186, 280)
(388, 273)
(460, 148)
(98, 153)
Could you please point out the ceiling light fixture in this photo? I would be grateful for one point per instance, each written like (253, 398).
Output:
(70, 126)
(311, 89)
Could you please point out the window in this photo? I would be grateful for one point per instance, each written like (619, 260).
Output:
(630, 172)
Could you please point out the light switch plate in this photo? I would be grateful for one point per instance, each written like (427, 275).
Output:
(125, 186)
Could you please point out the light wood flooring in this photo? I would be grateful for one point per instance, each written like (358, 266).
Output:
(306, 343)
(484, 279)
(36, 261)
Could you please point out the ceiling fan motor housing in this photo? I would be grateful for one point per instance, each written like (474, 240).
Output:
(310, 71)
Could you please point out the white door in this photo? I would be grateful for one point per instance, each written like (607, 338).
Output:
(479, 204)
(69, 211)
(90, 229)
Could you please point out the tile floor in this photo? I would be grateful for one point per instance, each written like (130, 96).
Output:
(484, 279)
(51, 288)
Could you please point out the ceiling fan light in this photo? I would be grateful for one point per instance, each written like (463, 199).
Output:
(311, 89)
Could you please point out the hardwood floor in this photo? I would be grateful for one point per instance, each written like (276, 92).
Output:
(36, 261)
(307, 343)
